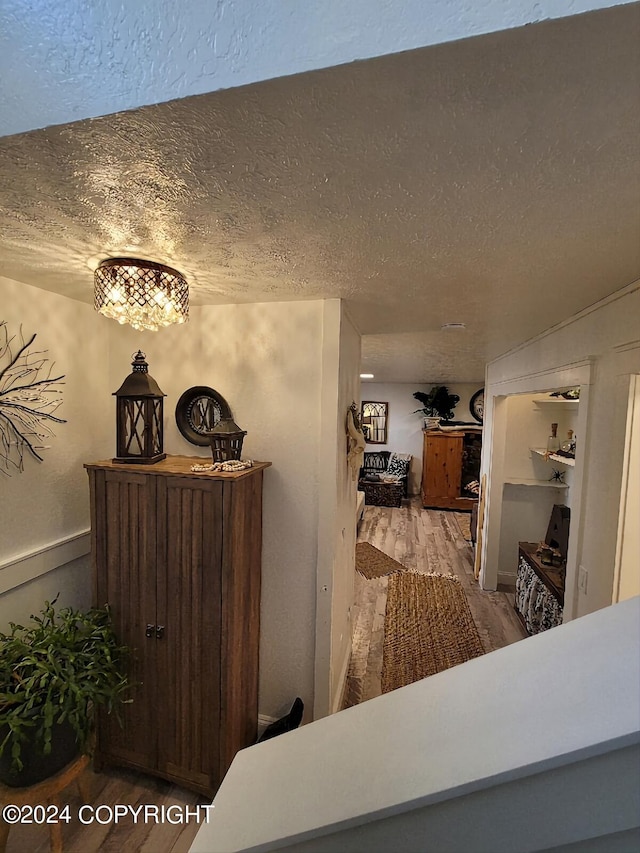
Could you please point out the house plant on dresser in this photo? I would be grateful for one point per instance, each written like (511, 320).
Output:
(54, 674)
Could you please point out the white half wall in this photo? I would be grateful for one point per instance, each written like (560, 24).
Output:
(465, 760)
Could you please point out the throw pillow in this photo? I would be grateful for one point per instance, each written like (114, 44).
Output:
(398, 465)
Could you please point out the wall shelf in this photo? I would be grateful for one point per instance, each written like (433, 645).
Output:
(553, 457)
(529, 481)
(569, 404)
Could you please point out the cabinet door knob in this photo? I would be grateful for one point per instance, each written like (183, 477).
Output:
(150, 630)
(159, 632)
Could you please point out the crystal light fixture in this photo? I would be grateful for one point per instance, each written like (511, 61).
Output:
(142, 293)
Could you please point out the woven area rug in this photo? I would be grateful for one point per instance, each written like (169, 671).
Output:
(428, 627)
(373, 563)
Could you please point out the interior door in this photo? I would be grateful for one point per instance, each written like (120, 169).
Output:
(125, 541)
(189, 621)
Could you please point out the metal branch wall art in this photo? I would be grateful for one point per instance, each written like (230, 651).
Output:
(29, 397)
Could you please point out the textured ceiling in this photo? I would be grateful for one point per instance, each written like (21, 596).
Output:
(492, 181)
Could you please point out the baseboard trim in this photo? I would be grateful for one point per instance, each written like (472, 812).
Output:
(340, 693)
(508, 578)
(27, 567)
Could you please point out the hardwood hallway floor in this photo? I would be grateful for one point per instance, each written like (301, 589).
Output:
(423, 541)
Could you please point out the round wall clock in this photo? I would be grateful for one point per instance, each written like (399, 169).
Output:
(198, 410)
(476, 405)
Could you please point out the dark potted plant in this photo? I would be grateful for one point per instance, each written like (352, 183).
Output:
(54, 673)
(437, 403)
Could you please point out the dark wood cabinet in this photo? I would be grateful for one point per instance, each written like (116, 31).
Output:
(177, 557)
(449, 460)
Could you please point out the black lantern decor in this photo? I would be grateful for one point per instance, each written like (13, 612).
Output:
(139, 416)
(226, 440)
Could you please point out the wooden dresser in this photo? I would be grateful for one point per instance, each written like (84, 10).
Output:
(443, 465)
(176, 555)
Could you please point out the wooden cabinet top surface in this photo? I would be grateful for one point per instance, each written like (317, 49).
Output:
(551, 576)
(178, 466)
(436, 433)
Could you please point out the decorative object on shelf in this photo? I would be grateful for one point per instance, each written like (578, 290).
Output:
(226, 440)
(230, 467)
(568, 447)
(438, 402)
(571, 394)
(553, 442)
(430, 423)
(476, 405)
(198, 411)
(549, 556)
(142, 293)
(374, 417)
(29, 397)
(356, 441)
(139, 416)
(556, 476)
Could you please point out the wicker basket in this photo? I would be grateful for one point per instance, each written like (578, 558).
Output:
(382, 494)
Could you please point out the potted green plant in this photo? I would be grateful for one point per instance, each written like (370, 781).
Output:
(54, 673)
(438, 403)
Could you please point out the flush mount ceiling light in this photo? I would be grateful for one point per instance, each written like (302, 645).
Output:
(455, 326)
(366, 376)
(142, 293)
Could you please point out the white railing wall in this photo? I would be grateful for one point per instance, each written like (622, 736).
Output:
(533, 747)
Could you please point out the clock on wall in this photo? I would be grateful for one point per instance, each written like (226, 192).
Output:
(476, 405)
(199, 409)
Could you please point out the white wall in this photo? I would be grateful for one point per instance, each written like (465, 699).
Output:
(70, 583)
(266, 361)
(404, 426)
(49, 501)
(605, 337)
(62, 62)
(627, 574)
(345, 530)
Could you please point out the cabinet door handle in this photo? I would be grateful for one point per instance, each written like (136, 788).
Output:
(150, 630)
(159, 632)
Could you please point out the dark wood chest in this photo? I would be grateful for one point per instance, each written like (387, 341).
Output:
(176, 556)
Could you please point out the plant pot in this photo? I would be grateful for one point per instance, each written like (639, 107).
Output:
(37, 766)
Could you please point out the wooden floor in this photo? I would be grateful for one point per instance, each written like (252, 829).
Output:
(423, 541)
(108, 789)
